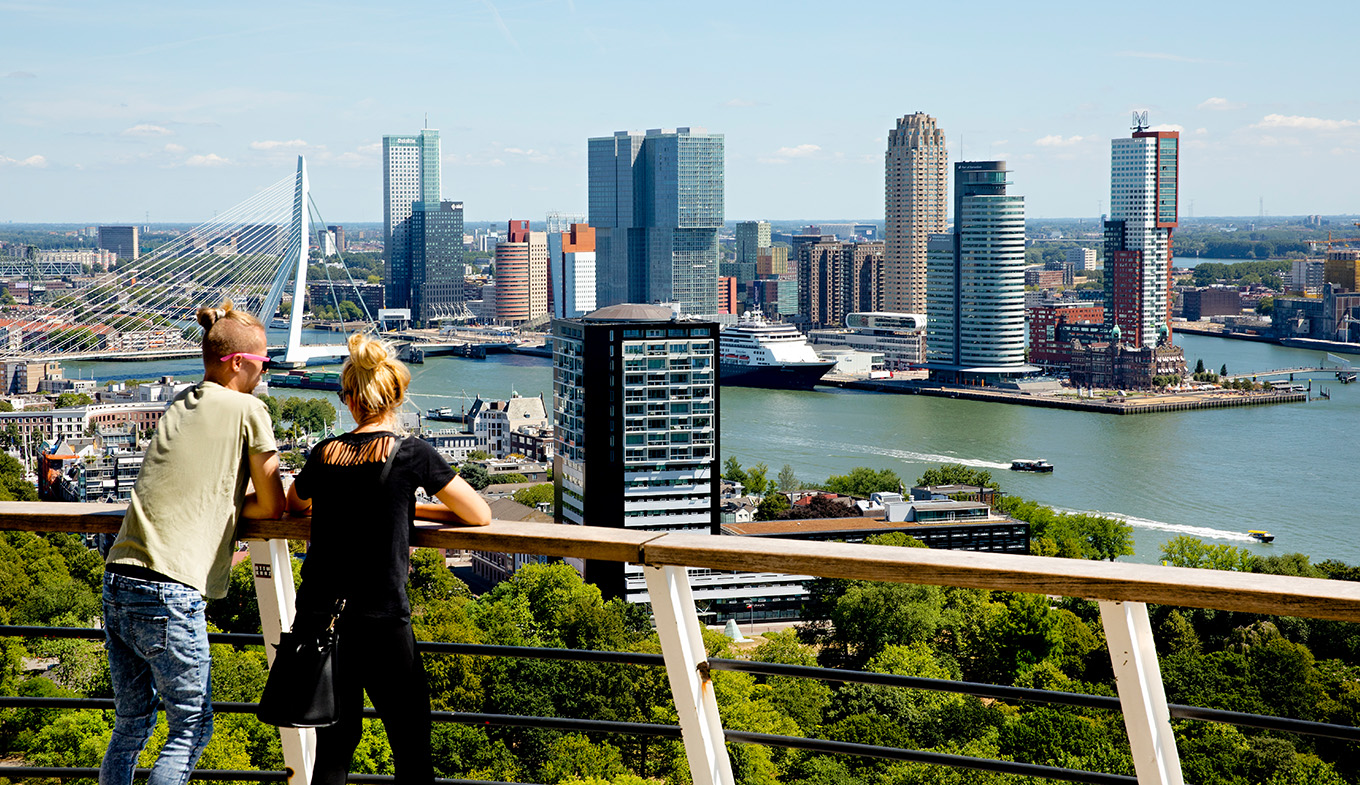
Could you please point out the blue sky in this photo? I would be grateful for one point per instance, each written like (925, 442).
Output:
(111, 111)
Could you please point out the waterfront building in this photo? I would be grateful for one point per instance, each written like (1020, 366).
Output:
(437, 267)
(1143, 213)
(635, 415)
(1082, 258)
(1202, 303)
(1054, 325)
(899, 337)
(836, 278)
(410, 174)
(975, 304)
(122, 240)
(656, 202)
(1340, 268)
(572, 260)
(1116, 365)
(916, 187)
(1335, 316)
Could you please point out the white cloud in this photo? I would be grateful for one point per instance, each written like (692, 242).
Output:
(1201, 131)
(798, 151)
(1000, 142)
(292, 144)
(1304, 123)
(146, 129)
(1220, 105)
(369, 148)
(211, 159)
(35, 161)
(520, 151)
(1054, 140)
(1168, 127)
(174, 148)
(741, 103)
(21, 75)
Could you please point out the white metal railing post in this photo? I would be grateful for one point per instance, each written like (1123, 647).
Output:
(682, 645)
(1133, 653)
(272, 565)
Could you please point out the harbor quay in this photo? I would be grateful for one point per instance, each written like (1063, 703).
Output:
(1110, 404)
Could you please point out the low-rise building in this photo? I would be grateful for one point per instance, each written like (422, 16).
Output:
(1202, 303)
(1114, 365)
(492, 422)
(899, 337)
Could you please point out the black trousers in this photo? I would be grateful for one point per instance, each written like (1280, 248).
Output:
(378, 656)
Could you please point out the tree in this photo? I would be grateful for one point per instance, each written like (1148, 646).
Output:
(732, 470)
(1199, 366)
(772, 507)
(755, 479)
(786, 481)
(69, 400)
(1224, 370)
(532, 497)
(1186, 551)
(958, 474)
(510, 479)
(475, 475)
(479, 455)
(863, 481)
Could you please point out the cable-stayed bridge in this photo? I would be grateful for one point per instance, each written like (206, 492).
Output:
(144, 309)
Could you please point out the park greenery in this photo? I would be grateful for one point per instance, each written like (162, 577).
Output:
(1307, 669)
(294, 417)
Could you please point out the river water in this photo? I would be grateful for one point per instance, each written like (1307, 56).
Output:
(1213, 474)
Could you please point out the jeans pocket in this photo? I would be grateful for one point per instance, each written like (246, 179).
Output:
(146, 633)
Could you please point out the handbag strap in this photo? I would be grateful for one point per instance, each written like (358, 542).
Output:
(391, 458)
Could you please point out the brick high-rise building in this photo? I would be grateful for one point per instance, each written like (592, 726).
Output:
(1143, 213)
(916, 191)
(836, 278)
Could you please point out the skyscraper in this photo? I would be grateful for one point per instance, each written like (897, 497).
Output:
(410, 175)
(436, 260)
(915, 207)
(656, 202)
(1143, 213)
(635, 415)
(751, 236)
(522, 274)
(975, 286)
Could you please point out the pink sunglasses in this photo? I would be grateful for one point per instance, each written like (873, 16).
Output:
(246, 355)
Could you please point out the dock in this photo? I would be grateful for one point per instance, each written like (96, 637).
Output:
(1146, 404)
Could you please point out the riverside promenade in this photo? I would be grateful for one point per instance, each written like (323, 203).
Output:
(1111, 404)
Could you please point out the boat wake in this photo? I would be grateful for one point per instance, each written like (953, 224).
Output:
(1202, 532)
(925, 457)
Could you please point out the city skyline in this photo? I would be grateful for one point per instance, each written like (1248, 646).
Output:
(116, 114)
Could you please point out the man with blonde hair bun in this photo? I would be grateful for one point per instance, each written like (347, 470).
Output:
(175, 545)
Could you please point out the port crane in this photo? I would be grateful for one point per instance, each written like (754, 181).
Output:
(1330, 241)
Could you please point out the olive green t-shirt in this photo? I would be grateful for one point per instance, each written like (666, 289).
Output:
(182, 518)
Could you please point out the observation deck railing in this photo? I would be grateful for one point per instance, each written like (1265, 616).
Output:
(1122, 591)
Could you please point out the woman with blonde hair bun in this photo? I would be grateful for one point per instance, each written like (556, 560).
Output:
(360, 489)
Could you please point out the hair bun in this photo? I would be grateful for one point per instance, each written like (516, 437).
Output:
(367, 353)
(207, 317)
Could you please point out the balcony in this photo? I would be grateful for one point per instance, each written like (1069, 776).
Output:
(1122, 591)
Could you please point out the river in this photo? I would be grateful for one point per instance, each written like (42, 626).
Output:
(1213, 474)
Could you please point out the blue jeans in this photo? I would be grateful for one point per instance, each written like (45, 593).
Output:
(157, 639)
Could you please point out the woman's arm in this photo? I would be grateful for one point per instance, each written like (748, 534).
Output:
(296, 504)
(461, 504)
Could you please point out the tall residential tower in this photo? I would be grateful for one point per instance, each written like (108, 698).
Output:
(656, 202)
(1143, 213)
(410, 175)
(975, 301)
(915, 207)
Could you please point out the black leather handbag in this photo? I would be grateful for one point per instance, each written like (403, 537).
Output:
(300, 692)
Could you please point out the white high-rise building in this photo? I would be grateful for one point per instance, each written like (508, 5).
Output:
(916, 191)
(572, 256)
(1143, 213)
(410, 175)
(1082, 258)
(975, 288)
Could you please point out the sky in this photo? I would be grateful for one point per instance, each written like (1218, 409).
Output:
(169, 111)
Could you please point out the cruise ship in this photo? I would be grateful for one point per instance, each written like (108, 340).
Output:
(757, 353)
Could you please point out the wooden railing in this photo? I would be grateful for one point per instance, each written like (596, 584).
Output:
(1123, 591)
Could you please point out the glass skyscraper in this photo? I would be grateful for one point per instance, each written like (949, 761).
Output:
(436, 260)
(656, 202)
(410, 175)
